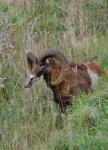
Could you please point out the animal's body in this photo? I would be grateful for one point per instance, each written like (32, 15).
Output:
(66, 80)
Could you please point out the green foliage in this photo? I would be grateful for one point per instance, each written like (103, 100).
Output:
(89, 17)
(50, 14)
(7, 8)
(96, 14)
(28, 117)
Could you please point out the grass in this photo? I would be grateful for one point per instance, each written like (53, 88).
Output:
(28, 116)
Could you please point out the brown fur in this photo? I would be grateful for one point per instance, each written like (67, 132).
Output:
(65, 80)
(74, 80)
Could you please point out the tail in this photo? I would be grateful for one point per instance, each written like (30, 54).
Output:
(94, 66)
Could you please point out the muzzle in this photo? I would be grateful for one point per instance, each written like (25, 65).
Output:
(31, 81)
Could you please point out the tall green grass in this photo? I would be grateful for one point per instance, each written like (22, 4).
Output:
(28, 116)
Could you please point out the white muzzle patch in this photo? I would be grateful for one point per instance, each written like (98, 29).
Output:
(32, 76)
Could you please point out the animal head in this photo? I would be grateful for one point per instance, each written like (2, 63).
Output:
(36, 68)
(39, 65)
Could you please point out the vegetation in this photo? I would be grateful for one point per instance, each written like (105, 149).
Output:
(28, 116)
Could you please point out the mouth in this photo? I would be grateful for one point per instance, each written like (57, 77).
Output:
(29, 85)
(31, 82)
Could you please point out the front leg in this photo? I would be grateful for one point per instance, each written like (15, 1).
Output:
(60, 120)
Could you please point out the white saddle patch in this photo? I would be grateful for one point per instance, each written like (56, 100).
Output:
(93, 77)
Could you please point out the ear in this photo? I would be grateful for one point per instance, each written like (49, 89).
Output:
(31, 59)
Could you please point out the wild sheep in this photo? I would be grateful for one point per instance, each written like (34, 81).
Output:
(66, 80)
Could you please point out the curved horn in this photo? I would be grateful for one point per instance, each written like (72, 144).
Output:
(59, 79)
(61, 76)
(53, 53)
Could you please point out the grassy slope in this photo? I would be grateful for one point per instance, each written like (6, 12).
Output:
(28, 116)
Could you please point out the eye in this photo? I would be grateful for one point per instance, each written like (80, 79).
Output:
(31, 79)
(42, 67)
(35, 66)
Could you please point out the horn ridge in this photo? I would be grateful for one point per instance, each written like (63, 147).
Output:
(51, 52)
